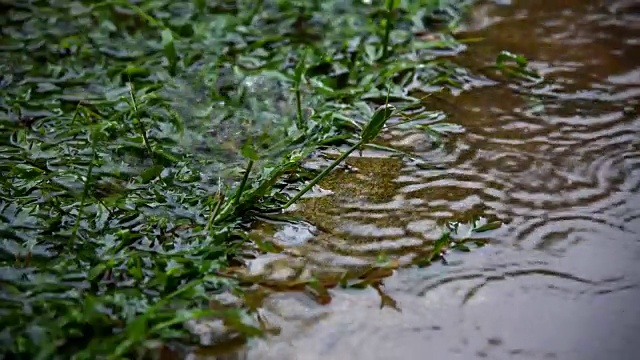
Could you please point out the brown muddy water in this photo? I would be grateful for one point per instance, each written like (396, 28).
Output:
(559, 165)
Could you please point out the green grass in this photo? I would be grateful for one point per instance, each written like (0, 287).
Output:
(139, 141)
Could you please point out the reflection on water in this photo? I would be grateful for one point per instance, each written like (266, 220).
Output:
(561, 166)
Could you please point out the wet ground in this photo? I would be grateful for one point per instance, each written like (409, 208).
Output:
(559, 165)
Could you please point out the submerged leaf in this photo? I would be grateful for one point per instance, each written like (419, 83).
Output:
(386, 300)
(318, 292)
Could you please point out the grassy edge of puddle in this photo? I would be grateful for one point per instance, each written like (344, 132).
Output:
(140, 139)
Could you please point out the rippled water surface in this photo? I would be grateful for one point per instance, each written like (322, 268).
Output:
(560, 166)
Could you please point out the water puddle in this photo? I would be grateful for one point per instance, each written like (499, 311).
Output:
(560, 165)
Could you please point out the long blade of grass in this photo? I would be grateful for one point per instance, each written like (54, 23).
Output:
(245, 177)
(138, 121)
(85, 192)
(375, 125)
(297, 82)
(389, 6)
(322, 175)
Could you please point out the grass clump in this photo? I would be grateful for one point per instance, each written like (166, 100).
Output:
(139, 138)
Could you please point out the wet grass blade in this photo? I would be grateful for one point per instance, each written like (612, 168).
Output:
(322, 175)
(129, 5)
(390, 5)
(249, 153)
(375, 125)
(201, 5)
(137, 121)
(298, 77)
(219, 199)
(488, 227)
(243, 184)
(85, 190)
(170, 52)
(371, 130)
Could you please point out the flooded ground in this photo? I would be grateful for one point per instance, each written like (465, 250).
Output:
(560, 166)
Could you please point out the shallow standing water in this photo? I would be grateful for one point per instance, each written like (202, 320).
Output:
(561, 167)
